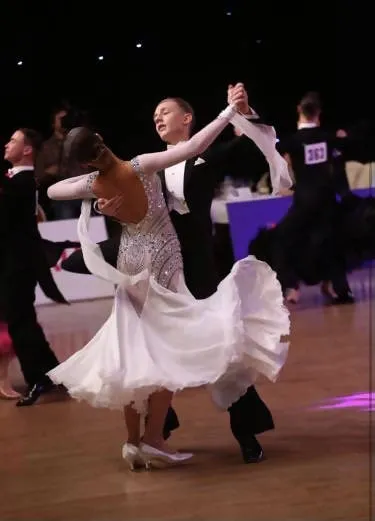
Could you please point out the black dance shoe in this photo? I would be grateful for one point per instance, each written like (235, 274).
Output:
(34, 393)
(251, 451)
(344, 298)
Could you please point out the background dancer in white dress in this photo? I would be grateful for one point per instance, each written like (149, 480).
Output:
(158, 338)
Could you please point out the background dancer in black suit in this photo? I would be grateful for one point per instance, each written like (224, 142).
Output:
(24, 264)
(307, 244)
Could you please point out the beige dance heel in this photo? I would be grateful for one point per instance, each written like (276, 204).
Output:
(7, 392)
(133, 457)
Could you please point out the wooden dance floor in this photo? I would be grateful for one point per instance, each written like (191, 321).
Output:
(60, 460)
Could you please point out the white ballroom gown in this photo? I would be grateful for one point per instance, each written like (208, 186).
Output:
(158, 335)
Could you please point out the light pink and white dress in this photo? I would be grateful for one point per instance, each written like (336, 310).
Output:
(158, 335)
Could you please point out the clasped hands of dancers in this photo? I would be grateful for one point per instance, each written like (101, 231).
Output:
(159, 339)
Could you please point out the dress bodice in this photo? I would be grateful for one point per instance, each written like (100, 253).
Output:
(152, 243)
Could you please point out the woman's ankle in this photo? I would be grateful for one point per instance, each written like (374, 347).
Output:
(154, 441)
(133, 441)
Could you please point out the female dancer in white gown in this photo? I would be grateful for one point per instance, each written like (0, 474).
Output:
(158, 339)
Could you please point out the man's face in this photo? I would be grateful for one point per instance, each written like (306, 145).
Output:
(172, 123)
(16, 149)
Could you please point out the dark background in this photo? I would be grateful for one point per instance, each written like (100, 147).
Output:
(189, 49)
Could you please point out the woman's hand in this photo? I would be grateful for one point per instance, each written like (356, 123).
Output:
(110, 207)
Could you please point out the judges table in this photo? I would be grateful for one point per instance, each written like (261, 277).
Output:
(247, 212)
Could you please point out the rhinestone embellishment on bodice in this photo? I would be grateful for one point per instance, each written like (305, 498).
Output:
(153, 242)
